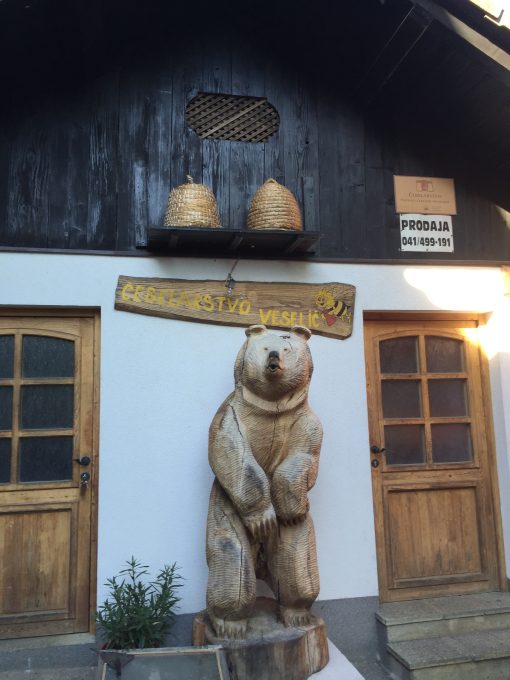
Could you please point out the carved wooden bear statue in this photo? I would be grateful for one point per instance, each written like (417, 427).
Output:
(264, 445)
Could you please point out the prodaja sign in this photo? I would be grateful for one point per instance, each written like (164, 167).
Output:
(426, 233)
(325, 308)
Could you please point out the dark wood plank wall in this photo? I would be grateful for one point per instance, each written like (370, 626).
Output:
(92, 168)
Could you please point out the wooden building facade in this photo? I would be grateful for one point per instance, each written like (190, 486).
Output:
(92, 145)
(94, 133)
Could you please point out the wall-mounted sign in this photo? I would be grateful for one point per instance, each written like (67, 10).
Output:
(425, 195)
(325, 308)
(426, 233)
(506, 280)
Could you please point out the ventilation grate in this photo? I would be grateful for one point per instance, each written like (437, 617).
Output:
(230, 117)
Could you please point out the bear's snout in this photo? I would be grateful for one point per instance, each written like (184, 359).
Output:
(273, 361)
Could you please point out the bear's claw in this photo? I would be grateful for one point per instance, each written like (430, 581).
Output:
(263, 526)
(295, 617)
(230, 630)
(294, 520)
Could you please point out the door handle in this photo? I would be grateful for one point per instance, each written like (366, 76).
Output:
(84, 460)
(376, 449)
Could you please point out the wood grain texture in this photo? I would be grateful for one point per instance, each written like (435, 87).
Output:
(270, 650)
(434, 533)
(246, 163)
(99, 185)
(93, 168)
(28, 181)
(35, 577)
(436, 523)
(327, 309)
(134, 111)
(186, 149)
(264, 445)
(46, 527)
(216, 78)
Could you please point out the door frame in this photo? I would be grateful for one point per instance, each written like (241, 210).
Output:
(478, 320)
(93, 313)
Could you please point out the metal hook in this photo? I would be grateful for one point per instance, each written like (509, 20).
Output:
(229, 281)
(230, 285)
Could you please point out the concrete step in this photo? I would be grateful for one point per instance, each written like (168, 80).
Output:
(483, 655)
(64, 657)
(434, 617)
(90, 673)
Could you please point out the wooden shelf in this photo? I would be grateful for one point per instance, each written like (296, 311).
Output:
(227, 242)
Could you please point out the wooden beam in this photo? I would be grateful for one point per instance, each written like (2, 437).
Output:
(405, 37)
(498, 59)
(497, 11)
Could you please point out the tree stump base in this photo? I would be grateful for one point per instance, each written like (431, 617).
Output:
(271, 651)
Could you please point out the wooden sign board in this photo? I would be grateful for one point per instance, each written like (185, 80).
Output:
(172, 663)
(325, 308)
(424, 195)
(506, 281)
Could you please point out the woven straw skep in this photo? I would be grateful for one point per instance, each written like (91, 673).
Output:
(274, 207)
(191, 205)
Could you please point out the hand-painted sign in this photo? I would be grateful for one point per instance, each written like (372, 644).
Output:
(424, 195)
(506, 280)
(426, 233)
(325, 308)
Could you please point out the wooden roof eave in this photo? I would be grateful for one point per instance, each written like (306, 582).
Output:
(498, 59)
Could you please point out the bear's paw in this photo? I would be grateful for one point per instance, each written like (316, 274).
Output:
(293, 521)
(291, 616)
(227, 629)
(261, 526)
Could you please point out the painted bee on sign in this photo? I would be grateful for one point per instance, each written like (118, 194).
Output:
(331, 308)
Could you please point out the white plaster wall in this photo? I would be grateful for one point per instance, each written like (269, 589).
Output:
(162, 381)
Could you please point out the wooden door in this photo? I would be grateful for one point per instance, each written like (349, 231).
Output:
(47, 413)
(434, 488)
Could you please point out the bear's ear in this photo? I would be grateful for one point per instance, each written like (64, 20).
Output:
(258, 329)
(304, 332)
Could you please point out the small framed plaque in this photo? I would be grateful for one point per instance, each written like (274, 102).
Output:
(424, 195)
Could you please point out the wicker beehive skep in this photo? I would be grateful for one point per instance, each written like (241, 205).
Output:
(191, 205)
(274, 207)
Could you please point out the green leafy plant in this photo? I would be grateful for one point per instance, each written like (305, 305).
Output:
(139, 613)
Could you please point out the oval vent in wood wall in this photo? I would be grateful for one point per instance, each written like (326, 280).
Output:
(232, 117)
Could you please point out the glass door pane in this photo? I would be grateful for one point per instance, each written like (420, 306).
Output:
(405, 444)
(5, 461)
(5, 408)
(6, 356)
(46, 407)
(399, 355)
(45, 459)
(444, 355)
(447, 398)
(401, 399)
(451, 443)
(45, 357)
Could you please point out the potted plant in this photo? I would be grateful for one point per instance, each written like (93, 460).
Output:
(139, 612)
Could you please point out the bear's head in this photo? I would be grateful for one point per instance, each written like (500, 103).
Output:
(273, 364)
